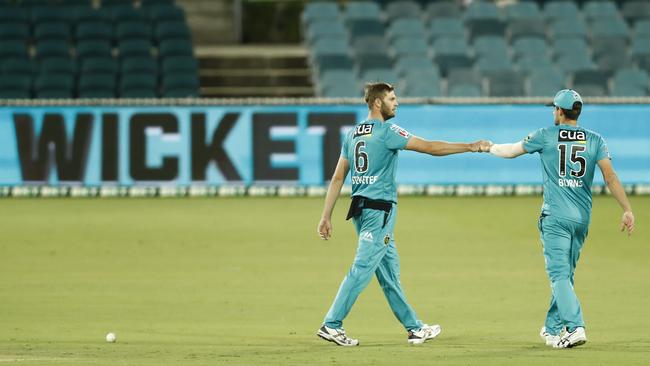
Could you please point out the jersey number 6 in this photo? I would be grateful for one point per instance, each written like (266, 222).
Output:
(360, 157)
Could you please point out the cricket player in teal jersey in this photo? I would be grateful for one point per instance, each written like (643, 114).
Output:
(370, 151)
(569, 154)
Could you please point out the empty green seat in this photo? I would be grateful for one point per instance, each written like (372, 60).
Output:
(99, 65)
(52, 30)
(410, 46)
(346, 89)
(139, 93)
(369, 45)
(529, 46)
(642, 29)
(430, 76)
(544, 88)
(422, 90)
(406, 27)
(132, 29)
(150, 3)
(15, 86)
(91, 14)
(628, 90)
(94, 30)
(362, 10)
(505, 83)
(17, 66)
(319, 11)
(93, 48)
(180, 64)
(446, 27)
(590, 77)
(128, 13)
(632, 76)
(564, 30)
(52, 13)
(550, 75)
(493, 63)
(134, 65)
(385, 75)
(402, 9)
(560, 9)
(11, 30)
(135, 48)
(571, 63)
(172, 29)
(96, 85)
(58, 65)
(326, 28)
(530, 62)
(137, 81)
(523, 10)
(374, 62)
(443, 9)
(166, 13)
(610, 28)
(634, 11)
(526, 28)
(365, 27)
(417, 64)
(489, 45)
(180, 80)
(601, 9)
(52, 48)
(570, 46)
(175, 47)
(13, 48)
(14, 14)
(333, 62)
(465, 90)
(330, 46)
(54, 86)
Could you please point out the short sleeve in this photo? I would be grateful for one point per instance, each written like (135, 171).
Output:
(534, 142)
(603, 152)
(345, 147)
(396, 137)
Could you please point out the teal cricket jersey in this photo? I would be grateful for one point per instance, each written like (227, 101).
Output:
(569, 155)
(371, 147)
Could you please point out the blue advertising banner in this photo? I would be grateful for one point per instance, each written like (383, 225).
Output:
(244, 145)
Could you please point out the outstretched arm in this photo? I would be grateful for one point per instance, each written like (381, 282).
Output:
(441, 148)
(614, 185)
(333, 192)
(508, 151)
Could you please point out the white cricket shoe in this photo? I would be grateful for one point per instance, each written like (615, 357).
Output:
(572, 339)
(548, 338)
(423, 334)
(336, 336)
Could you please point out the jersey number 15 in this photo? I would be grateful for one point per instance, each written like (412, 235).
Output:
(575, 158)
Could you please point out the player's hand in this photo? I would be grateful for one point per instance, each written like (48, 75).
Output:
(481, 146)
(627, 222)
(325, 229)
(485, 146)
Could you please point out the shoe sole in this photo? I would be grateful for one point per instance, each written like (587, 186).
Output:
(436, 333)
(579, 342)
(329, 338)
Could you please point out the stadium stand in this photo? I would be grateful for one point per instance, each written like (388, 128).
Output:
(95, 49)
(486, 48)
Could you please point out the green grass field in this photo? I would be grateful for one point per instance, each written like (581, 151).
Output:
(246, 281)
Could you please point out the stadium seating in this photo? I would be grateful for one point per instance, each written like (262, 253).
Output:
(96, 49)
(481, 48)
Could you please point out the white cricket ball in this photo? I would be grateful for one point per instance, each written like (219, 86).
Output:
(111, 337)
